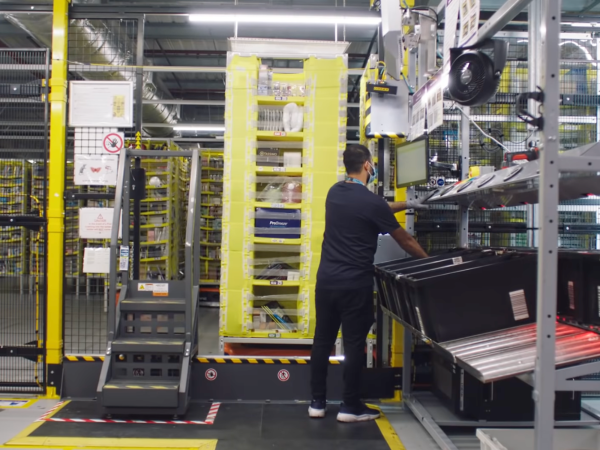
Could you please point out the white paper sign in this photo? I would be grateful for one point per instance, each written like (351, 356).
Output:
(435, 103)
(417, 117)
(450, 19)
(96, 260)
(96, 223)
(95, 170)
(101, 104)
(469, 22)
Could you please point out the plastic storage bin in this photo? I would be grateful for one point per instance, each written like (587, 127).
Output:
(579, 286)
(523, 439)
(391, 287)
(272, 223)
(477, 297)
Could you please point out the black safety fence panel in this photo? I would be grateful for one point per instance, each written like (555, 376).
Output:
(24, 140)
(98, 50)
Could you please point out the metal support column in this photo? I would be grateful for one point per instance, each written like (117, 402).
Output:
(139, 108)
(534, 71)
(463, 211)
(543, 392)
(56, 187)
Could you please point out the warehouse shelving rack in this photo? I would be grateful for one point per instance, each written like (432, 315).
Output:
(14, 200)
(210, 221)
(545, 379)
(247, 282)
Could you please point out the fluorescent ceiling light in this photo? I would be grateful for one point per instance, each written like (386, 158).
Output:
(284, 19)
(582, 24)
(199, 128)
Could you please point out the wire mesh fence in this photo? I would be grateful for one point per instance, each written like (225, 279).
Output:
(23, 158)
(498, 120)
(97, 50)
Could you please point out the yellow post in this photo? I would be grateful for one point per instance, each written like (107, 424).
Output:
(56, 207)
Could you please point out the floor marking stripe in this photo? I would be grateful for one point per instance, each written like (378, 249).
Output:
(388, 432)
(210, 418)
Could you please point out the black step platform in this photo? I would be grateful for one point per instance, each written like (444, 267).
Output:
(239, 426)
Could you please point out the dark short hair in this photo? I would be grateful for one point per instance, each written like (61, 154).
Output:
(355, 156)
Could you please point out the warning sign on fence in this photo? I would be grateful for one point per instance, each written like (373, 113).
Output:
(96, 223)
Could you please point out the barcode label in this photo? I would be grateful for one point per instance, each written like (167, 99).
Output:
(283, 99)
(420, 320)
(276, 283)
(457, 260)
(279, 133)
(571, 289)
(279, 169)
(519, 305)
(277, 205)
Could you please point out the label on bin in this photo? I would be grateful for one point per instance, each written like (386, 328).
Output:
(279, 169)
(571, 289)
(519, 304)
(276, 283)
(277, 205)
(279, 133)
(277, 241)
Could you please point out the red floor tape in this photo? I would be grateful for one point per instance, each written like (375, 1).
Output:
(210, 419)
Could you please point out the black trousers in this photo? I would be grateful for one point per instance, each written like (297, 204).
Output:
(353, 310)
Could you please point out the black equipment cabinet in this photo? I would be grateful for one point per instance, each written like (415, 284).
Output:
(504, 400)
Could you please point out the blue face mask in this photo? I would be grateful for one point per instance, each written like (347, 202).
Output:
(372, 176)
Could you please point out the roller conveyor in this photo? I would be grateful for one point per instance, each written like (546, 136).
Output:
(511, 352)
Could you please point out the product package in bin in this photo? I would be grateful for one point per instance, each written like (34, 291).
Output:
(392, 288)
(277, 223)
(280, 189)
(477, 297)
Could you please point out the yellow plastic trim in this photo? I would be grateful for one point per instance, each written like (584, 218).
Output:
(280, 135)
(275, 283)
(262, 240)
(272, 100)
(278, 205)
(56, 176)
(280, 170)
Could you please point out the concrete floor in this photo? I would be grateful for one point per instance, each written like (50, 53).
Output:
(412, 434)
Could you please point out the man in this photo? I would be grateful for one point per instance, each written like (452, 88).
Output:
(354, 217)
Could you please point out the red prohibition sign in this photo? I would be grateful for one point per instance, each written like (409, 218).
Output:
(211, 374)
(283, 375)
(113, 143)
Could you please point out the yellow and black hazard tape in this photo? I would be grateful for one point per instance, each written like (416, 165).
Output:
(245, 360)
(224, 360)
(81, 358)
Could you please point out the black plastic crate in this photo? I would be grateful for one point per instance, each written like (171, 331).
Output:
(504, 400)
(476, 297)
(579, 286)
(391, 291)
(396, 275)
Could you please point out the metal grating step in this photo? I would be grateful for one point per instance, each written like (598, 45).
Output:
(150, 345)
(153, 305)
(132, 393)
